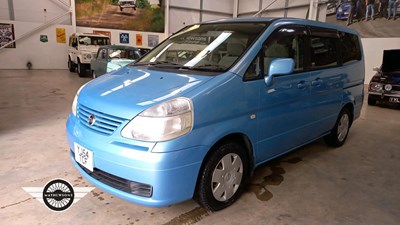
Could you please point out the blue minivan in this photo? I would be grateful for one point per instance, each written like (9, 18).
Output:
(198, 113)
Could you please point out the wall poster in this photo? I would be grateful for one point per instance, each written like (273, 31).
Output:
(7, 35)
(137, 15)
(371, 18)
(60, 35)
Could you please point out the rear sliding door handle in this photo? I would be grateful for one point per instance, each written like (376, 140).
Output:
(316, 82)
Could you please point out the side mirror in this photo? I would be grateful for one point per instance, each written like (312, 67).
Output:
(279, 66)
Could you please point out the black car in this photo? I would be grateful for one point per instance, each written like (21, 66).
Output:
(385, 84)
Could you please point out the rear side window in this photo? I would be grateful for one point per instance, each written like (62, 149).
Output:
(350, 48)
(323, 52)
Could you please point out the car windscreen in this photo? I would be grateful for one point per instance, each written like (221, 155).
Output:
(88, 40)
(209, 47)
(391, 61)
(124, 54)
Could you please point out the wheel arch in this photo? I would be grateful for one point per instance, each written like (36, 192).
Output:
(350, 107)
(239, 138)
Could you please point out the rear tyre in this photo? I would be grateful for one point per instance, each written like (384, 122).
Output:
(339, 133)
(222, 177)
(81, 69)
(71, 65)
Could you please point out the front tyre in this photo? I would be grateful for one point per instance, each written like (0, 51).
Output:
(81, 69)
(71, 66)
(339, 133)
(222, 177)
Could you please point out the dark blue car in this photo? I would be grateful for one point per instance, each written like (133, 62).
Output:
(343, 11)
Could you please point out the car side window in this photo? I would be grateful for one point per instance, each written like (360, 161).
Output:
(323, 52)
(350, 48)
(285, 42)
(73, 42)
(291, 46)
(102, 54)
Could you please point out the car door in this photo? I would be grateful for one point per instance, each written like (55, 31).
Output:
(327, 78)
(284, 107)
(99, 66)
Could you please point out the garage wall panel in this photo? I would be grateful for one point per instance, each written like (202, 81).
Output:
(195, 4)
(225, 6)
(4, 13)
(39, 11)
(213, 16)
(181, 18)
(247, 6)
(298, 13)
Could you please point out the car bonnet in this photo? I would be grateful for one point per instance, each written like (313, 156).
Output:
(128, 91)
(390, 63)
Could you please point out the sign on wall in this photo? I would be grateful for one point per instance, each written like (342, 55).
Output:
(7, 35)
(152, 40)
(124, 38)
(60, 34)
(139, 40)
(44, 38)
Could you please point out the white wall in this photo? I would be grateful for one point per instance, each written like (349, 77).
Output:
(4, 13)
(50, 55)
(39, 11)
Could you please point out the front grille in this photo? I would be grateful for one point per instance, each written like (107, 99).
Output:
(119, 183)
(103, 123)
(395, 87)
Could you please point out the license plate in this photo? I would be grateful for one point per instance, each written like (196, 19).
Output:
(84, 156)
(394, 100)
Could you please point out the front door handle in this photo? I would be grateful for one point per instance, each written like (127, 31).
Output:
(301, 85)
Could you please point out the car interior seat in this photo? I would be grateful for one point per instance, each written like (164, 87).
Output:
(234, 50)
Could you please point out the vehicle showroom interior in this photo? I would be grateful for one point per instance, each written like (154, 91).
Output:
(356, 183)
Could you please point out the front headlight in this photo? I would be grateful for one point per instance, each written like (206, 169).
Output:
(75, 102)
(375, 86)
(161, 122)
(87, 55)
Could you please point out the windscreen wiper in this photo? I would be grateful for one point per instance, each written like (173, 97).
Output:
(209, 67)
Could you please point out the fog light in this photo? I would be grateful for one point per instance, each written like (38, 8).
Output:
(388, 87)
(140, 189)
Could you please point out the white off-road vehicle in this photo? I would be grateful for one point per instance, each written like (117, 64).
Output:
(82, 49)
(127, 4)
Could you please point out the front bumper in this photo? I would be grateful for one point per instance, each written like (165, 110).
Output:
(172, 176)
(385, 97)
(127, 5)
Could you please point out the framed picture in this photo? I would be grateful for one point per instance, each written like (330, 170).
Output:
(7, 35)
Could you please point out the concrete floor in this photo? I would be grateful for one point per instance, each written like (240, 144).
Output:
(355, 184)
